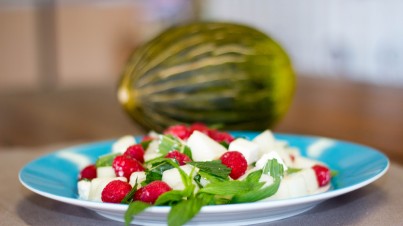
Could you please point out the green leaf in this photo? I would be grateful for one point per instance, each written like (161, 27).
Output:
(184, 211)
(169, 143)
(215, 168)
(233, 187)
(145, 144)
(257, 194)
(274, 168)
(155, 173)
(129, 196)
(170, 198)
(334, 173)
(134, 209)
(188, 152)
(291, 170)
(254, 176)
(106, 160)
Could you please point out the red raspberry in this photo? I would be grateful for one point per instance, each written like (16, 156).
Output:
(322, 174)
(136, 151)
(292, 157)
(181, 131)
(220, 136)
(125, 165)
(147, 138)
(89, 172)
(236, 161)
(115, 191)
(151, 192)
(181, 158)
(201, 127)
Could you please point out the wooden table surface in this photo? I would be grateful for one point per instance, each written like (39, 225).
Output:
(367, 114)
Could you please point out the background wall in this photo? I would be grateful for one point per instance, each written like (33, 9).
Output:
(53, 44)
(58, 44)
(360, 40)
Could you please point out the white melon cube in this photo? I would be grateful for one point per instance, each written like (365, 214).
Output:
(204, 148)
(152, 150)
(265, 141)
(282, 192)
(267, 179)
(296, 185)
(249, 150)
(261, 163)
(303, 162)
(106, 171)
(137, 177)
(98, 185)
(311, 182)
(173, 178)
(84, 187)
(121, 145)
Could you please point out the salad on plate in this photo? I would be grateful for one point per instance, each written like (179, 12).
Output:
(188, 167)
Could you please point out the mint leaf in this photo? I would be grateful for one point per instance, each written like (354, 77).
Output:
(170, 198)
(145, 144)
(188, 152)
(233, 187)
(215, 168)
(129, 196)
(274, 168)
(184, 211)
(291, 170)
(155, 173)
(169, 143)
(256, 195)
(106, 160)
(254, 176)
(134, 209)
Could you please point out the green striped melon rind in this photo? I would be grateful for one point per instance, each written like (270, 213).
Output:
(216, 73)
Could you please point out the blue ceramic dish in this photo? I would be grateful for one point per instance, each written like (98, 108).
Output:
(55, 176)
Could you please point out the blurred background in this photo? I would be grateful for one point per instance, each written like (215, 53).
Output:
(61, 44)
(60, 61)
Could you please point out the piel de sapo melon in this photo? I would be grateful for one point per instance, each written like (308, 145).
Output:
(222, 74)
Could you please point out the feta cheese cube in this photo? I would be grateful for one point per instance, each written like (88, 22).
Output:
(249, 150)
(204, 148)
(121, 145)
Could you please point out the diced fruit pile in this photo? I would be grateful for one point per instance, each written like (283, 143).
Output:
(193, 166)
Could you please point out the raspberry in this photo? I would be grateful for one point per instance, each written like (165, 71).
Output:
(322, 174)
(236, 161)
(125, 165)
(181, 131)
(151, 192)
(220, 136)
(89, 172)
(147, 138)
(115, 191)
(181, 158)
(201, 127)
(136, 151)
